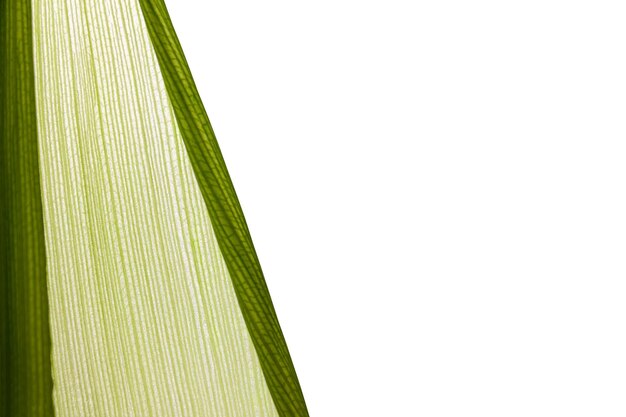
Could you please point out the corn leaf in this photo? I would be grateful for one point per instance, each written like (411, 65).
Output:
(116, 199)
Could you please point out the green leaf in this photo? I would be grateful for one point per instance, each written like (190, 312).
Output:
(25, 376)
(157, 302)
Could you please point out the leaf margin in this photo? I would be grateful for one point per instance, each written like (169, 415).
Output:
(225, 212)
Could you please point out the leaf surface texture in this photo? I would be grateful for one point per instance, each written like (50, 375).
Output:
(157, 303)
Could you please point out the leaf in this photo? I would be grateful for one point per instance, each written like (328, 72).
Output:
(157, 302)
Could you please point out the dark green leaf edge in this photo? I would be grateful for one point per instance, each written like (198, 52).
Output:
(226, 215)
(25, 362)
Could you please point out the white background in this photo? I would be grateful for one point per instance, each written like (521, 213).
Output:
(437, 192)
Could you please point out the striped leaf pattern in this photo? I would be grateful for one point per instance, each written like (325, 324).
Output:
(142, 284)
(229, 223)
